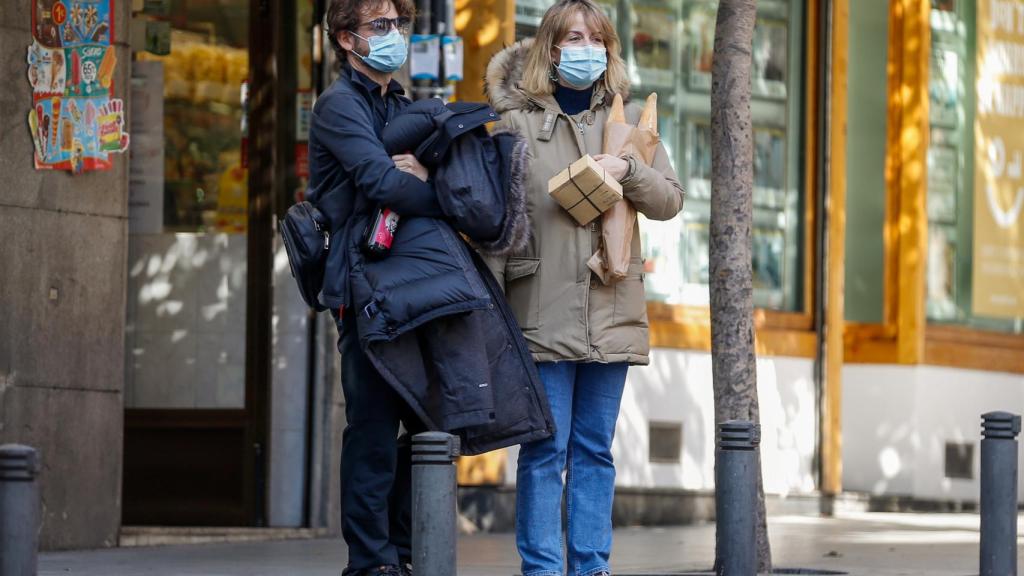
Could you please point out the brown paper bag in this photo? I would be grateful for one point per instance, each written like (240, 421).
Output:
(611, 261)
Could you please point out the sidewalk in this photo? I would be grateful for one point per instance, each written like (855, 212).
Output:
(859, 544)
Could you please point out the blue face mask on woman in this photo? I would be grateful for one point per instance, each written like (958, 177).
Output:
(581, 66)
(387, 53)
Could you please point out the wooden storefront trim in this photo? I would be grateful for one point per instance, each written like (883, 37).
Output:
(949, 346)
(832, 387)
(870, 344)
(901, 336)
(906, 234)
(960, 347)
(767, 341)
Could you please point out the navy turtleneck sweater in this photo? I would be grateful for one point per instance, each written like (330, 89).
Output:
(573, 101)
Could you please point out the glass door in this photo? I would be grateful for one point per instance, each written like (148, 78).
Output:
(189, 455)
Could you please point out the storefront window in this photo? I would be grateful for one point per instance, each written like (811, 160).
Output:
(204, 73)
(669, 52)
(964, 286)
(668, 46)
(188, 243)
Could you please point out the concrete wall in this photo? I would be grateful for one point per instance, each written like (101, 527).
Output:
(897, 420)
(63, 249)
(676, 388)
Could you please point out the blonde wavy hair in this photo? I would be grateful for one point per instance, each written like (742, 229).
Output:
(555, 25)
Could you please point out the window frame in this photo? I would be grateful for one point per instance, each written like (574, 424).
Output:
(777, 333)
(906, 336)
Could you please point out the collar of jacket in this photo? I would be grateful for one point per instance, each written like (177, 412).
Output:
(369, 86)
(547, 102)
(461, 118)
(427, 127)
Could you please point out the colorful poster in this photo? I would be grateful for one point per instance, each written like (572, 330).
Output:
(998, 275)
(74, 121)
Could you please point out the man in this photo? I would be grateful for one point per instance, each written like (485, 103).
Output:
(351, 177)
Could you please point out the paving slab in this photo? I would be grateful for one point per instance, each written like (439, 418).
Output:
(857, 544)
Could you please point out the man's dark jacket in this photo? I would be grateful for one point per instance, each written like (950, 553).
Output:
(431, 318)
(351, 173)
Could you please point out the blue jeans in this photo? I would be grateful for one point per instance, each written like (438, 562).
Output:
(584, 401)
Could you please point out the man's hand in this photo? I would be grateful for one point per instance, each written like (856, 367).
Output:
(409, 163)
(616, 167)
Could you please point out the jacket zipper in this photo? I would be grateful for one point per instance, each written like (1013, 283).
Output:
(582, 146)
(578, 132)
(586, 316)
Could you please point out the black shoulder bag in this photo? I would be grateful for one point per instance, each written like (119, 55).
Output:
(304, 231)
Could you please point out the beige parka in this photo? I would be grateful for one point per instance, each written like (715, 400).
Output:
(565, 311)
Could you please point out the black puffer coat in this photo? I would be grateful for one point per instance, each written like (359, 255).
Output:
(435, 323)
(478, 175)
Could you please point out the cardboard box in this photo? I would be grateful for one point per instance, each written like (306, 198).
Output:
(585, 190)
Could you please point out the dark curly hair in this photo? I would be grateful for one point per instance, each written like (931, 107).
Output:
(347, 14)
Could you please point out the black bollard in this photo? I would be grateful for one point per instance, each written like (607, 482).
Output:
(433, 503)
(19, 510)
(736, 498)
(999, 432)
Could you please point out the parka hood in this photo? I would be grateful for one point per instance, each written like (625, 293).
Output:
(501, 81)
(504, 73)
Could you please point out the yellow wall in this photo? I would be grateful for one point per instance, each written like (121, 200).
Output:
(486, 26)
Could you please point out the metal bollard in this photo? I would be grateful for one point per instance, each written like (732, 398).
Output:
(736, 497)
(19, 510)
(999, 432)
(433, 503)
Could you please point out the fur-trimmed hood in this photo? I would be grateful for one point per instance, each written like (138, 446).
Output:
(504, 73)
(501, 81)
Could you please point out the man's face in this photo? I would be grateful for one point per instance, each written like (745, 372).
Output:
(370, 12)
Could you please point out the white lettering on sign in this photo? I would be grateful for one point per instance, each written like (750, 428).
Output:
(998, 99)
(1005, 59)
(1007, 16)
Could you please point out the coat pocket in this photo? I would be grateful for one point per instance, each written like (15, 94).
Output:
(522, 289)
(630, 300)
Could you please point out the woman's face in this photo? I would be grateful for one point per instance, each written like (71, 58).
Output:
(580, 34)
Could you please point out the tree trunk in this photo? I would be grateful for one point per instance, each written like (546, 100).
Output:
(732, 177)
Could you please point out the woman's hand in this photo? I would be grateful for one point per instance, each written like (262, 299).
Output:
(408, 163)
(613, 165)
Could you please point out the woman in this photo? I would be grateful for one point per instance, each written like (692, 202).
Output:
(556, 91)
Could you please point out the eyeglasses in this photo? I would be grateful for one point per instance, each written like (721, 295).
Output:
(382, 26)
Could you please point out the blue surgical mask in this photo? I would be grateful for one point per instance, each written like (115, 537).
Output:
(387, 53)
(581, 66)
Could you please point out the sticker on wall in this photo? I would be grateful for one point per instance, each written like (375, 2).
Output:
(425, 56)
(75, 121)
(46, 69)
